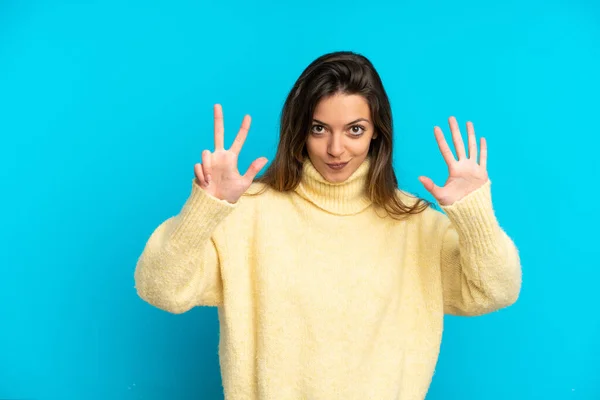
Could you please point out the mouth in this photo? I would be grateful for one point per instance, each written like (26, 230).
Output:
(337, 166)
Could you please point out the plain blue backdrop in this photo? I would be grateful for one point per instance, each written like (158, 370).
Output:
(105, 108)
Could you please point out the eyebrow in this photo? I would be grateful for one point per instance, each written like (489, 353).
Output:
(349, 123)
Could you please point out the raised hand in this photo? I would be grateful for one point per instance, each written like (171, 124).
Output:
(465, 174)
(218, 173)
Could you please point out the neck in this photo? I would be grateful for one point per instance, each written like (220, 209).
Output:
(343, 198)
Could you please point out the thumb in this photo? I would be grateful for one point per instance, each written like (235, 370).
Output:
(429, 185)
(255, 168)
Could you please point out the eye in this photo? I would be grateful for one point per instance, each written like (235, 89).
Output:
(357, 130)
(317, 129)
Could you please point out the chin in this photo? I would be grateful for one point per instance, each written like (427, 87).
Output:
(337, 176)
(334, 177)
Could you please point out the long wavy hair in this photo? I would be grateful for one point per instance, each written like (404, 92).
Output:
(347, 73)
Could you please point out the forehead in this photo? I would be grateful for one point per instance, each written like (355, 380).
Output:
(342, 108)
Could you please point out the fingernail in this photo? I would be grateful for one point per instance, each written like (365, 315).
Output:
(208, 179)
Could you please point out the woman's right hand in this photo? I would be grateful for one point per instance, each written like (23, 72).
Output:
(218, 173)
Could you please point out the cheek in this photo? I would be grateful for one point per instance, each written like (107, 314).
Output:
(312, 145)
(360, 146)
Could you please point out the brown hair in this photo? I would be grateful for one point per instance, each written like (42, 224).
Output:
(349, 73)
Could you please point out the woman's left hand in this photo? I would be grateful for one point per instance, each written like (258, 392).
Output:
(465, 174)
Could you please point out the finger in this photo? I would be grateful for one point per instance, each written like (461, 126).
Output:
(219, 128)
(237, 144)
(459, 145)
(207, 166)
(483, 155)
(429, 185)
(472, 141)
(254, 169)
(443, 145)
(199, 174)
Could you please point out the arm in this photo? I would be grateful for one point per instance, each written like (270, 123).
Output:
(179, 266)
(480, 266)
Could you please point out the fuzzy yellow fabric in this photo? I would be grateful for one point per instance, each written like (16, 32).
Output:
(322, 296)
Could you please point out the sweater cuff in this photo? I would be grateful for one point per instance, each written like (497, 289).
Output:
(474, 219)
(200, 216)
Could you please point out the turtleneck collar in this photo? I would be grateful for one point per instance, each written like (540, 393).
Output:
(343, 198)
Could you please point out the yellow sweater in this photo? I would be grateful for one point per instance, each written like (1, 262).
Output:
(322, 297)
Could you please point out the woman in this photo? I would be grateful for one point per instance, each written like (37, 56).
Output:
(331, 283)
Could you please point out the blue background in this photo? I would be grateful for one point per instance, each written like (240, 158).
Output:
(105, 107)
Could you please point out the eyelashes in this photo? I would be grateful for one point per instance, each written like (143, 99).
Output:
(354, 130)
(318, 129)
(361, 128)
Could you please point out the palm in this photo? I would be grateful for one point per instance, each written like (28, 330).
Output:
(465, 174)
(225, 177)
(218, 174)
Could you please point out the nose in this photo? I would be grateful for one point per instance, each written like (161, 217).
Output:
(335, 147)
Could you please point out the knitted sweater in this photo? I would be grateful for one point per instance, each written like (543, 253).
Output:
(322, 296)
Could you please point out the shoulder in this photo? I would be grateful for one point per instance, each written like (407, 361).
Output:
(259, 198)
(259, 204)
(259, 192)
(257, 189)
(406, 197)
(431, 219)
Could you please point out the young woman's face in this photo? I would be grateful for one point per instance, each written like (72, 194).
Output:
(341, 133)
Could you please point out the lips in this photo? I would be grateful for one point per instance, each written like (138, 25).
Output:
(337, 165)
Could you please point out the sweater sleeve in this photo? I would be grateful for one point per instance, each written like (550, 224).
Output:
(179, 265)
(480, 265)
